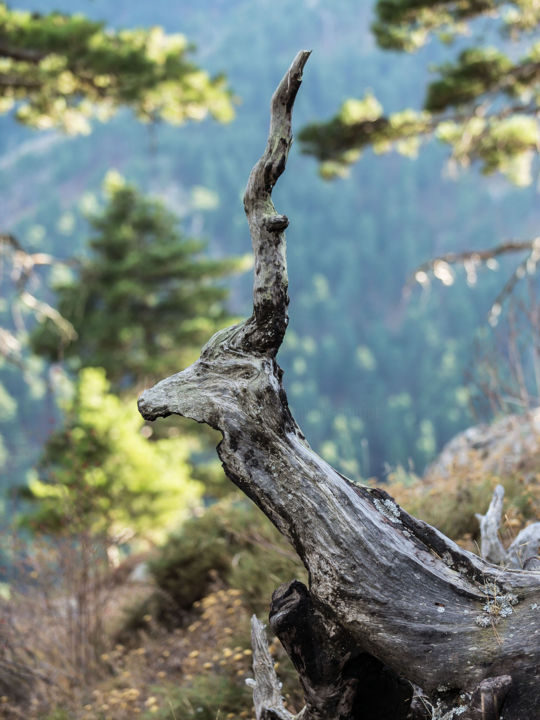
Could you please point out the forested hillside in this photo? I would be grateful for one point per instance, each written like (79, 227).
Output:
(352, 243)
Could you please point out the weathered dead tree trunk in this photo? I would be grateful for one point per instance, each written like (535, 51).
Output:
(398, 621)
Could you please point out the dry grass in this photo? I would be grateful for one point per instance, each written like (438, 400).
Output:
(60, 654)
(450, 502)
(60, 658)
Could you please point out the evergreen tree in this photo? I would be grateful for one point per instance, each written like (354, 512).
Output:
(58, 70)
(137, 309)
(143, 301)
(99, 473)
(484, 105)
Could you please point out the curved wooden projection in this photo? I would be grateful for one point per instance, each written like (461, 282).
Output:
(398, 621)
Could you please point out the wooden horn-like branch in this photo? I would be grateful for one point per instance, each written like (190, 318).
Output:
(265, 330)
(187, 393)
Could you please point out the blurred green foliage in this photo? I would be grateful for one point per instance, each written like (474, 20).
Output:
(100, 474)
(138, 308)
(59, 70)
(483, 105)
(232, 540)
(145, 298)
(230, 544)
(407, 24)
(236, 541)
(207, 697)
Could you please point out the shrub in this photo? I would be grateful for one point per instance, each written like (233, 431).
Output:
(231, 543)
(451, 502)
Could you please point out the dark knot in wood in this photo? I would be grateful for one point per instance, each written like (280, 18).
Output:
(276, 223)
(488, 698)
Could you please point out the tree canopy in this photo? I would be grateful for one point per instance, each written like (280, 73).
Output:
(484, 104)
(59, 70)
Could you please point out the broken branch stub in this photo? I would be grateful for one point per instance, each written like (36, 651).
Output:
(266, 686)
(403, 598)
(524, 550)
(490, 546)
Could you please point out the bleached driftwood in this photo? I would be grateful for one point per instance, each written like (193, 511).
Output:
(522, 553)
(490, 545)
(391, 600)
(266, 686)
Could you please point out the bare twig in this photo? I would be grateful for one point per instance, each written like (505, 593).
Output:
(525, 267)
(23, 269)
(470, 259)
(475, 256)
(511, 246)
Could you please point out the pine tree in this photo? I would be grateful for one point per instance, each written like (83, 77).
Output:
(138, 308)
(484, 105)
(100, 475)
(143, 301)
(59, 70)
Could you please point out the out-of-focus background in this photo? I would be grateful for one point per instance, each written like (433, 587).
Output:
(125, 247)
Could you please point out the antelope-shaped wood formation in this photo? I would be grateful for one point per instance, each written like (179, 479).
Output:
(394, 610)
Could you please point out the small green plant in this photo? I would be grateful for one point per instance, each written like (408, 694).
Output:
(206, 698)
(99, 474)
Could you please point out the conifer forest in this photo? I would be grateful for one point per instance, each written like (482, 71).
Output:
(313, 228)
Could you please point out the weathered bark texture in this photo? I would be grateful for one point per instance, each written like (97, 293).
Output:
(391, 602)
